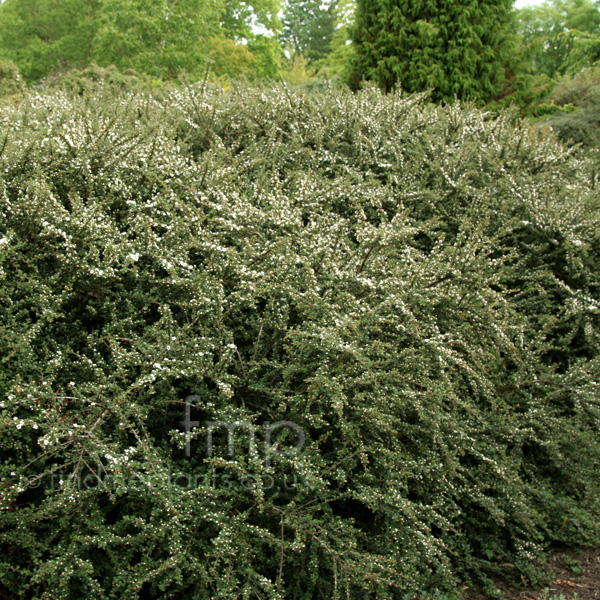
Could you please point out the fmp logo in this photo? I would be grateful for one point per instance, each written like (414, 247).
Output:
(269, 428)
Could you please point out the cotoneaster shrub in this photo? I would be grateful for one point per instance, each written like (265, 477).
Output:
(415, 287)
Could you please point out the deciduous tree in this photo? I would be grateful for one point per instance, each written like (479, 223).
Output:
(559, 35)
(308, 28)
(41, 36)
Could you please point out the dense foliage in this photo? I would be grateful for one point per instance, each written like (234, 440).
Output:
(45, 35)
(573, 111)
(459, 49)
(11, 83)
(159, 39)
(415, 287)
(484, 51)
(309, 27)
(559, 35)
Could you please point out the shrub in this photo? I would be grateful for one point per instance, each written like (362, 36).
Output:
(10, 79)
(415, 287)
(88, 80)
(574, 106)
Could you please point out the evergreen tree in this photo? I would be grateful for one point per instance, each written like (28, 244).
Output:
(459, 49)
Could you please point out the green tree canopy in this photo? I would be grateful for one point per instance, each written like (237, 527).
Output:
(308, 27)
(240, 19)
(155, 37)
(559, 35)
(45, 35)
(255, 25)
(340, 61)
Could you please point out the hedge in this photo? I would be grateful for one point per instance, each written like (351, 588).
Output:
(413, 289)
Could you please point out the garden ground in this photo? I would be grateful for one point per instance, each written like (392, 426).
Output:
(575, 574)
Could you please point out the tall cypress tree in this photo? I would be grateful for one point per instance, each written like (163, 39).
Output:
(458, 48)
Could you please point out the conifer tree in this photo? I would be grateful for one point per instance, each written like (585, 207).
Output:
(459, 49)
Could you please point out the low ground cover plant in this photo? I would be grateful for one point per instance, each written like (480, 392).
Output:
(399, 300)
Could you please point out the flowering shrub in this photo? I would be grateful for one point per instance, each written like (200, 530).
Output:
(414, 288)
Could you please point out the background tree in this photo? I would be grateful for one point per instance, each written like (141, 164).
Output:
(559, 35)
(458, 49)
(45, 35)
(309, 27)
(255, 25)
(155, 37)
(240, 19)
(229, 59)
(338, 63)
(268, 56)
